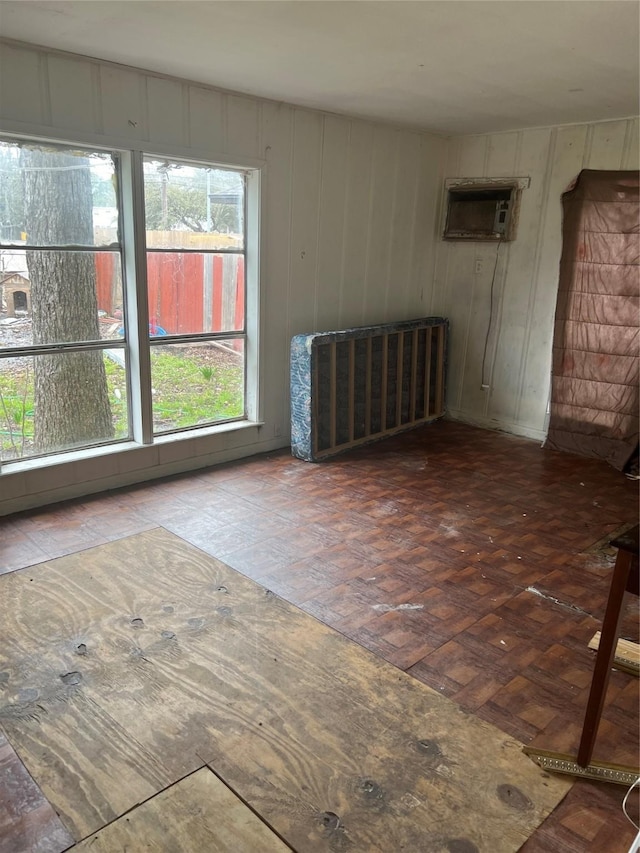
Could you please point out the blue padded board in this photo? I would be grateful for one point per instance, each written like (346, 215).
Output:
(304, 353)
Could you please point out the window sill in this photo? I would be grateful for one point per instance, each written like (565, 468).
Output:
(121, 449)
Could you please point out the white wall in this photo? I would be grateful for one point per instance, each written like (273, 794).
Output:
(519, 348)
(348, 224)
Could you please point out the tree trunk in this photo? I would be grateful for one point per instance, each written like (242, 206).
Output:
(71, 406)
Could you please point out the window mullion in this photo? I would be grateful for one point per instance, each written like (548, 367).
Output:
(136, 301)
(252, 240)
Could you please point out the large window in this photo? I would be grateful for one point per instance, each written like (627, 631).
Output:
(122, 297)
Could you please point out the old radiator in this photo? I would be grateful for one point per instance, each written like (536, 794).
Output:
(359, 385)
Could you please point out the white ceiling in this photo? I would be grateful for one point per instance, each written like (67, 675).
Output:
(452, 66)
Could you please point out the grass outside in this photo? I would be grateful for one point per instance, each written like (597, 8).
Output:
(190, 388)
(202, 387)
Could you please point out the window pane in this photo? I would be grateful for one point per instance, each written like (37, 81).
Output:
(192, 293)
(57, 197)
(49, 297)
(50, 403)
(193, 207)
(196, 384)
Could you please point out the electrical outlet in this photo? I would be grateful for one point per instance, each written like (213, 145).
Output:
(277, 430)
(478, 266)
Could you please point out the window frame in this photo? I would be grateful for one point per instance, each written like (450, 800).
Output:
(137, 342)
(203, 337)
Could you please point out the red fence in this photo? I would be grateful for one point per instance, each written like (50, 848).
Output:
(188, 292)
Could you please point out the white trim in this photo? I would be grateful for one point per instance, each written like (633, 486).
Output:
(135, 296)
(118, 448)
(253, 242)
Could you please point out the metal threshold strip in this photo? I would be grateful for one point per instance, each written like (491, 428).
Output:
(601, 771)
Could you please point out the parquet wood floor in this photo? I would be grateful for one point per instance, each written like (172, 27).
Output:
(473, 560)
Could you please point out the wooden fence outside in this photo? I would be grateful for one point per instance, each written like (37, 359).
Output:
(188, 292)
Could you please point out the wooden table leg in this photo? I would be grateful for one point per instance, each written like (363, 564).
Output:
(606, 651)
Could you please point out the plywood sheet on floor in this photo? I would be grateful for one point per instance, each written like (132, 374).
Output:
(198, 813)
(132, 664)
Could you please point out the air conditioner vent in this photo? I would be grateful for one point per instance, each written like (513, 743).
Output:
(478, 209)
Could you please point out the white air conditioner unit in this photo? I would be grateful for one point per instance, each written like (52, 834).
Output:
(482, 208)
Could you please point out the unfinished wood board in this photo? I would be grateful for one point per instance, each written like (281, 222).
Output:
(195, 815)
(627, 654)
(130, 665)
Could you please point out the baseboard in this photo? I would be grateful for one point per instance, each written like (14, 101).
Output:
(498, 426)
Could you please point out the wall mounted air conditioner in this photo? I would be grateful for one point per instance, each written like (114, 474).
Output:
(482, 208)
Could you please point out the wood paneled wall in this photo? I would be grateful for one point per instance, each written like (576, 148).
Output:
(518, 362)
(348, 213)
(351, 213)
